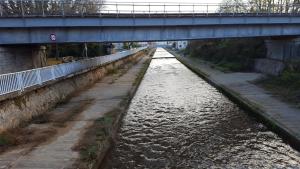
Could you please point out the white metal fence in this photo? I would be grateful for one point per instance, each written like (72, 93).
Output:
(19, 81)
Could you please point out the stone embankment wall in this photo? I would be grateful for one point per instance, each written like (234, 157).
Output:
(22, 108)
(280, 52)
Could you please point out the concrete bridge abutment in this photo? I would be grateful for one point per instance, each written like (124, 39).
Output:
(22, 57)
(280, 51)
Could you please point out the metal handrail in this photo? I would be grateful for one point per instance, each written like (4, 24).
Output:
(84, 8)
(19, 81)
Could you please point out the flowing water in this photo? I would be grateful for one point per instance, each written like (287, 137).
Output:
(177, 120)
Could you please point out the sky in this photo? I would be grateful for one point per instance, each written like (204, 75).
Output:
(145, 8)
(167, 1)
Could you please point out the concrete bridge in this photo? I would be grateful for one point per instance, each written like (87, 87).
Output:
(61, 21)
(281, 32)
(148, 22)
(39, 30)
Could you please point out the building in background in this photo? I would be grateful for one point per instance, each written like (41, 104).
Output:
(178, 44)
(181, 45)
(118, 46)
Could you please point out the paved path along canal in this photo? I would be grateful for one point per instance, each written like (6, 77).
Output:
(177, 120)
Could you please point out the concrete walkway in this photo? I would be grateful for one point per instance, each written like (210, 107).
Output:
(57, 152)
(283, 115)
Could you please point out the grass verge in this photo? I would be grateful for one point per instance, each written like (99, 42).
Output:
(96, 140)
(286, 87)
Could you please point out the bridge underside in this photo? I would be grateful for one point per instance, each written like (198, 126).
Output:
(73, 30)
(113, 34)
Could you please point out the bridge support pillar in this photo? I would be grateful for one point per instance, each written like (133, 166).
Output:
(19, 58)
(39, 56)
(279, 52)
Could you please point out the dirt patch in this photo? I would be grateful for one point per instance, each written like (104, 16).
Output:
(39, 129)
(142, 72)
(25, 137)
(285, 87)
(59, 119)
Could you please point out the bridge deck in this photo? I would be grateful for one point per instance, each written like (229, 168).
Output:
(144, 27)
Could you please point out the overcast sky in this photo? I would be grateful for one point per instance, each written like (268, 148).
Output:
(145, 8)
(166, 1)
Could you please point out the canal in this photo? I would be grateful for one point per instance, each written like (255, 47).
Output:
(178, 120)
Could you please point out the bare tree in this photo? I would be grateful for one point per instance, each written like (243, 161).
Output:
(50, 7)
(233, 6)
(260, 6)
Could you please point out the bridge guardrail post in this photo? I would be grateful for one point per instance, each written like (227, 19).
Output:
(164, 10)
(1, 10)
(22, 8)
(234, 9)
(149, 10)
(133, 10)
(193, 10)
(43, 10)
(207, 10)
(179, 10)
(62, 4)
(81, 8)
(117, 11)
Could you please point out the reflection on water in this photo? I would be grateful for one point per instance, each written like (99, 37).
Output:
(177, 120)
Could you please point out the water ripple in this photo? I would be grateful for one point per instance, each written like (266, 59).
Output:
(177, 120)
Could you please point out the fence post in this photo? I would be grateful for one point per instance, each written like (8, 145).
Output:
(20, 82)
(64, 70)
(52, 73)
(38, 75)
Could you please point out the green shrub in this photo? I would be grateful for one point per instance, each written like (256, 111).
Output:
(6, 139)
(287, 85)
(231, 55)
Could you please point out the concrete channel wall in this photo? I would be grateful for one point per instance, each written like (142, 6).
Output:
(18, 109)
